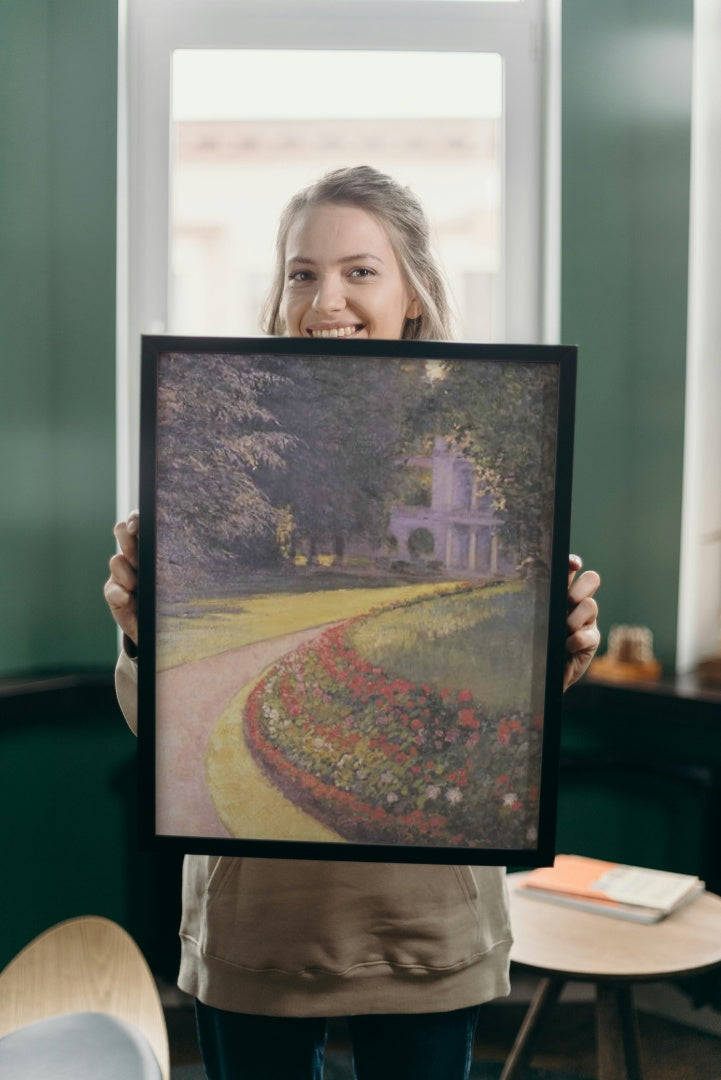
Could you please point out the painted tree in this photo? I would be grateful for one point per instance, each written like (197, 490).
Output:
(502, 418)
(215, 435)
(348, 423)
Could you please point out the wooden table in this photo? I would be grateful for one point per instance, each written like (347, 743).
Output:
(563, 944)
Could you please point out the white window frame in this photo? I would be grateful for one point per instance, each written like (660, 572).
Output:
(699, 597)
(526, 34)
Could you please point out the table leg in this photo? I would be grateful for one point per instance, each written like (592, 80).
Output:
(545, 997)
(617, 1033)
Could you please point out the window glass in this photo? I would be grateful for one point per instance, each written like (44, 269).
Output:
(238, 154)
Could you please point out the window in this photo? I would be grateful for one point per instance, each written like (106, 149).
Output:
(227, 107)
(235, 162)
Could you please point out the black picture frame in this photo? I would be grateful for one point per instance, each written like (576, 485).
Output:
(353, 572)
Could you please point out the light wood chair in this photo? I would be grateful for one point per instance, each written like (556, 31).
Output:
(87, 965)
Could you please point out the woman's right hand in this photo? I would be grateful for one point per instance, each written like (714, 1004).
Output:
(121, 587)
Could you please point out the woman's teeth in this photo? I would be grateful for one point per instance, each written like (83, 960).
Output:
(337, 331)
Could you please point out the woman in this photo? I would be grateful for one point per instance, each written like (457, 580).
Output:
(271, 948)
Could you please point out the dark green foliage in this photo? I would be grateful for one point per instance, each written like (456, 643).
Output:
(214, 435)
(348, 424)
(502, 418)
(420, 542)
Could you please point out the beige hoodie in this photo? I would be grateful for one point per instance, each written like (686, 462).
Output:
(297, 938)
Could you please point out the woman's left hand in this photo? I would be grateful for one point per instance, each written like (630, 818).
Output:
(583, 636)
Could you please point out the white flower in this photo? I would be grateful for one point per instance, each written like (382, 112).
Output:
(432, 791)
(510, 799)
(391, 797)
(454, 795)
(386, 777)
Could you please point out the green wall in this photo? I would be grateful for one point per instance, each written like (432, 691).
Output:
(625, 200)
(66, 758)
(58, 71)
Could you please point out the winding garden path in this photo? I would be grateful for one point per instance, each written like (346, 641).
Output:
(191, 699)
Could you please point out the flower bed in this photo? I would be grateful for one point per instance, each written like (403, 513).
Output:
(382, 760)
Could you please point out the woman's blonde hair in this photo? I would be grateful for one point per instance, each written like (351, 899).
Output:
(403, 217)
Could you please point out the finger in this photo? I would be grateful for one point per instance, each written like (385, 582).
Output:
(584, 613)
(575, 562)
(123, 573)
(123, 608)
(585, 585)
(126, 534)
(119, 599)
(583, 641)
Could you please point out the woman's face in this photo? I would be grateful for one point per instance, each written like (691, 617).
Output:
(342, 277)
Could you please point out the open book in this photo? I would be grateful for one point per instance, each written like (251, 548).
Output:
(608, 888)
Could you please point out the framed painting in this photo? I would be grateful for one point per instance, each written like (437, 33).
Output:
(352, 597)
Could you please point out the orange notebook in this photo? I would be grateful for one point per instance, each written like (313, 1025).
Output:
(631, 892)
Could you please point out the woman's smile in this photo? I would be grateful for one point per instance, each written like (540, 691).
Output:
(335, 331)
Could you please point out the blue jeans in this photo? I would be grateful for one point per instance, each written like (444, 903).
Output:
(415, 1046)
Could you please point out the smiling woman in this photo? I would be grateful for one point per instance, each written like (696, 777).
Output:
(353, 259)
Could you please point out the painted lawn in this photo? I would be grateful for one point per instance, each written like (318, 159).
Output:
(209, 627)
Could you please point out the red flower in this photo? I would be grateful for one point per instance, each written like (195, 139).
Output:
(468, 718)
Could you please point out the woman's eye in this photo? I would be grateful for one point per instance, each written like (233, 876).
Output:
(300, 276)
(362, 272)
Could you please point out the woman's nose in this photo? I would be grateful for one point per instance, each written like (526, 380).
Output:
(329, 296)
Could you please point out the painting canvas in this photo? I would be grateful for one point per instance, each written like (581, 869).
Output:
(352, 597)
